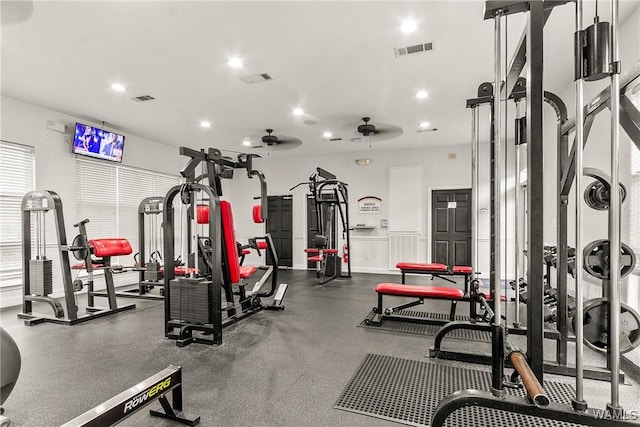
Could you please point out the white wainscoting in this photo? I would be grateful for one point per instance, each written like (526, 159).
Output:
(402, 247)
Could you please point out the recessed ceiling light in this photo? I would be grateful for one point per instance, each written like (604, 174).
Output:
(205, 124)
(235, 62)
(408, 26)
(246, 142)
(327, 135)
(421, 94)
(424, 125)
(118, 87)
(298, 112)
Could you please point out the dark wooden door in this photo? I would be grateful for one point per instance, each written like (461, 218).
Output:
(280, 226)
(451, 227)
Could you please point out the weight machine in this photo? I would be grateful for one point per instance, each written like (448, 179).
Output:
(331, 199)
(592, 62)
(193, 303)
(37, 272)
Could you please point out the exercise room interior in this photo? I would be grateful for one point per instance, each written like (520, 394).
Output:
(322, 213)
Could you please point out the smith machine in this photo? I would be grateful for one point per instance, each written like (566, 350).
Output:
(193, 303)
(594, 61)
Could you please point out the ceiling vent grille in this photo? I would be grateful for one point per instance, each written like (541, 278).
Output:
(143, 98)
(335, 139)
(426, 130)
(401, 51)
(256, 78)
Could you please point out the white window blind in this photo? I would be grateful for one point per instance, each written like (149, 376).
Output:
(109, 195)
(17, 177)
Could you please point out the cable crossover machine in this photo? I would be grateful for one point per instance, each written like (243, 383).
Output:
(603, 323)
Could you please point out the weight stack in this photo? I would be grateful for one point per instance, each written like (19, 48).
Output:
(191, 300)
(334, 265)
(41, 276)
(153, 272)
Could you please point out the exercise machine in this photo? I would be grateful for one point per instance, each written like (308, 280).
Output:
(531, 367)
(37, 268)
(193, 303)
(331, 199)
(130, 401)
(10, 361)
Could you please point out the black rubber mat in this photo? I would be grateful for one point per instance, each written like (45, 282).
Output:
(423, 329)
(408, 391)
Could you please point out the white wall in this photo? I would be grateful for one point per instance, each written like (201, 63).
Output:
(25, 123)
(369, 249)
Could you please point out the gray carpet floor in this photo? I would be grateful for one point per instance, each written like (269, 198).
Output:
(283, 368)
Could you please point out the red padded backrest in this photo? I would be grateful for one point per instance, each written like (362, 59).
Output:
(229, 241)
(202, 214)
(257, 214)
(110, 247)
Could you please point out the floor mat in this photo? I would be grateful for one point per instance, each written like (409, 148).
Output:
(424, 329)
(408, 391)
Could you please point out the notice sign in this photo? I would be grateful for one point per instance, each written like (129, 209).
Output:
(369, 205)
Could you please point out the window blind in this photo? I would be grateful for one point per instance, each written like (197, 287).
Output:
(17, 177)
(109, 195)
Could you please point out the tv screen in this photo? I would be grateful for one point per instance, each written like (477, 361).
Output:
(99, 143)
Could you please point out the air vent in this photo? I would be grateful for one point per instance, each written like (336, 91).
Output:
(426, 130)
(335, 139)
(401, 51)
(143, 98)
(256, 78)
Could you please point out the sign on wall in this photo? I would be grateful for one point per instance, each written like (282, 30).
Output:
(369, 205)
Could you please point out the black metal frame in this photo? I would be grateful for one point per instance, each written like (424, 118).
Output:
(324, 182)
(130, 401)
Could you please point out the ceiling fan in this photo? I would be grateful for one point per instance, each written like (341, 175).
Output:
(274, 142)
(371, 133)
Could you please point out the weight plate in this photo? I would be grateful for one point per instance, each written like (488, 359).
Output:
(596, 327)
(596, 259)
(80, 246)
(596, 195)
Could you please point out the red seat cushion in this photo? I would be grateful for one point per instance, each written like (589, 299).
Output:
(81, 266)
(419, 291)
(247, 271)
(311, 251)
(246, 252)
(460, 269)
(317, 258)
(419, 266)
(257, 214)
(487, 296)
(183, 271)
(110, 247)
(202, 214)
(330, 251)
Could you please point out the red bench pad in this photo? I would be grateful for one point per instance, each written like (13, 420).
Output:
(82, 266)
(311, 251)
(460, 269)
(183, 271)
(419, 291)
(257, 214)
(202, 214)
(315, 258)
(246, 252)
(487, 296)
(261, 244)
(329, 251)
(418, 266)
(247, 271)
(110, 247)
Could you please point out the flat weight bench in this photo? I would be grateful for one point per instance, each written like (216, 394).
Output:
(421, 292)
(436, 270)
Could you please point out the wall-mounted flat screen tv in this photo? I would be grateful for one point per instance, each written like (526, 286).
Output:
(99, 143)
